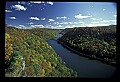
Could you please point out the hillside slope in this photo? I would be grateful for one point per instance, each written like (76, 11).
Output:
(96, 42)
(27, 54)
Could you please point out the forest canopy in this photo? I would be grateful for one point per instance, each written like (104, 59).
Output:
(97, 42)
(27, 54)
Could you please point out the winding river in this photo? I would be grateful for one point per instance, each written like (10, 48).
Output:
(84, 67)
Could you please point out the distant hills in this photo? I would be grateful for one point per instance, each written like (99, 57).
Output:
(66, 29)
(113, 25)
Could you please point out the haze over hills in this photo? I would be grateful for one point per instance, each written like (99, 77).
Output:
(58, 28)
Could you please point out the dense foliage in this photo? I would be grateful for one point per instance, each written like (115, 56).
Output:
(27, 54)
(65, 31)
(96, 42)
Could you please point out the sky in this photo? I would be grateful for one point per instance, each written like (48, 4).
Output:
(59, 15)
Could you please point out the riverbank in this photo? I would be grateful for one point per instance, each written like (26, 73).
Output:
(88, 56)
(81, 64)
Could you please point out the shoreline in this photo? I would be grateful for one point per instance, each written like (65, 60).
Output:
(87, 56)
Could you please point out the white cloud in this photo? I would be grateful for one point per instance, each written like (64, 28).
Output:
(49, 26)
(91, 6)
(115, 15)
(32, 26)
(18, 2)
(21, 25)
(12, 17)
(71, 26)
(21, 2)
(68, 26)
(92, 25)
(37, 26)
(58, 17)
(74, 26)
(56, 23)
(86, 24)
(75, 22)
(81, 17)
(64, 17)
(42, 18)
(34, 18)
(94, 22)
(89, 14)
(112, 20)
(38, 2)
(19, 7)
(51, 3)
(104, 9)
(70, 22)
(61, 23)
(105, 21)
(43, 2)
(11, 25)
(102, 24)
(30, 23)
(59, 26)
(82, 25)
(81, 22)
(8, 11)
(65, 22)
(28, 3)
(96, 19)
(51, 20)
(93, 18)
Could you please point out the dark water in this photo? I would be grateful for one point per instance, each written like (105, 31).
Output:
(83, 66)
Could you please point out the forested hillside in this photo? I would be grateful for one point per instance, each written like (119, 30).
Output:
(65, 31)
(96, 42)
(27, 54)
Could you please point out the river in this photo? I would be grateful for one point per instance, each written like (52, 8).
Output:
(84, 67)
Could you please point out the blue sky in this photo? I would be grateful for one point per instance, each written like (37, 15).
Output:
(59, 15)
